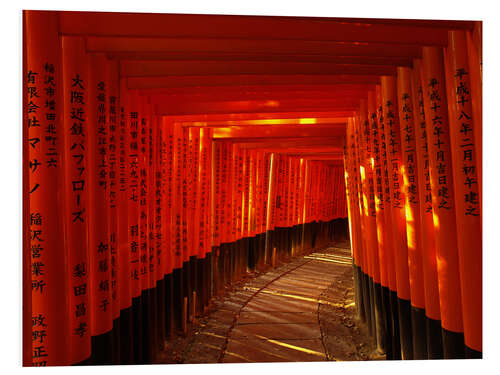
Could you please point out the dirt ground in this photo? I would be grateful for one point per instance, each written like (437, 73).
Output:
(344, 336)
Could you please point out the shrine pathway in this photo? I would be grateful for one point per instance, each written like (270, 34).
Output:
(275, 316)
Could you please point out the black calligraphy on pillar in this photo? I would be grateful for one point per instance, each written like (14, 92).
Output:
(393, 152)
(422, 134)
(466, 144)
(408, 145)
(439, 137)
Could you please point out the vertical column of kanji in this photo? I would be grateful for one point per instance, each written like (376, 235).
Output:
(281, 203)
(427, 235)
(167, 223)
(366, 255)
(385, 253)
(186, 251)
(369, 163)
(263, 208)
(75, 86)
(466, 161)
(285, 190)
(26, 235)
(133, 166)
(265, 204)
(366, 153)
(249, 193)
(474, 43)
(368, 203)
(191, 225)
(244, 203)
(237, 208)
(390, 297)
(145, 274)
(277, 201)
(153, 257)
(156, 212)
(194, 205)
(224, 243)
(357, 211)
(229, 211)
(112, 193)
(440, 159)
(234, 209)
(209, 215)
(286, 175)
(202, 207)
(176, 229)
(412, 210)
(353, 212)
(216, 210)
(46, 321)
(124, 255)
(257, 206)
(101, 321)
(393, 154)
(378, 189)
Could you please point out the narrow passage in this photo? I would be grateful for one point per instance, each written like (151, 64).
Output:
(275, 317)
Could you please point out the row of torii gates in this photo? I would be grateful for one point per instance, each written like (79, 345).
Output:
(167, 155)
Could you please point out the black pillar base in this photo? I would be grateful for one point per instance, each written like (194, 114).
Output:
(396, 344)
(160, 285)
(137, 325)
(386, 306)
(116, 341)
(434, 339)
(380, 329)
(453, 344)
(169, 305)
(126, 337)
(178, 297)
(419, 333)
(146, 305)
(472, 354)
(102, 349)
(404, 310)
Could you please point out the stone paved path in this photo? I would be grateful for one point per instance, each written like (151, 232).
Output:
(274, 317)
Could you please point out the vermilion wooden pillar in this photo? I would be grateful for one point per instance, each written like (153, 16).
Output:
(382, 232)
(443, 203)
(429, 263)
(466, 154)
(124, 253)
(412, 211)
(98, 239)
(353, 224)
(394, 161)
(369, 213)
(113, 103)
(75, 86)
(46, 329)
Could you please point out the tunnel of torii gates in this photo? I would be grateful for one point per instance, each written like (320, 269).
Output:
(167, 155)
